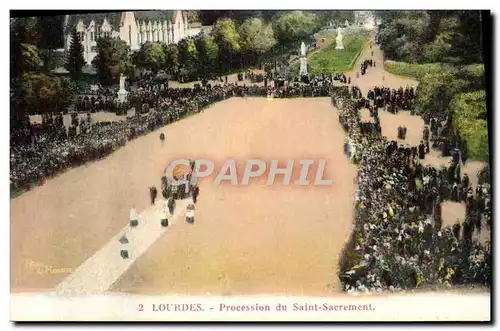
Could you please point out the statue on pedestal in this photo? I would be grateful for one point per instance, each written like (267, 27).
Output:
(303, 60)
(122, 93)
(340, 39)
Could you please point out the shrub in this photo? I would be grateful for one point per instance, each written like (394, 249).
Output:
(413, 70)
(469, 118)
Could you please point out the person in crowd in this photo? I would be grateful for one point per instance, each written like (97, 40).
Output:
(153, 192)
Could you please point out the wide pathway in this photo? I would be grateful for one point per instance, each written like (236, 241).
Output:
(106, 266)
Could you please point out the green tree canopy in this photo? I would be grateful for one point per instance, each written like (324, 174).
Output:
(172, 58)
(296, 25)
(188, 54)
(75, 61)
(226, 35)
(431, 36)
(151, 56)
(256, 36)
(113, 58)
(46, 93)
(470, 119)
(208, 52)
(227, 39)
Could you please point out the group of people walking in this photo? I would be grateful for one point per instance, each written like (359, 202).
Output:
(399, 241)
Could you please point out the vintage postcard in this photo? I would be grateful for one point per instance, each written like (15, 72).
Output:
(250, 165)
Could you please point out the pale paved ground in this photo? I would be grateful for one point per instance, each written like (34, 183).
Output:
(452, 212)
(257, 239)
(390, 122)
(376, 76)
(91, 277)
(249, 239)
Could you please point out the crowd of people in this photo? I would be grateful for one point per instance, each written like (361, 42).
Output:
(364, 65)
(51, 148)
(392, 100)
(399, 242)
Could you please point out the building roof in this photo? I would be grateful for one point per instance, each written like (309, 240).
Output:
(114, 18)
(154, 15)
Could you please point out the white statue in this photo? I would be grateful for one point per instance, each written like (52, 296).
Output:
(122, 93)
(303, 60)
(122, 82)
(340, 39)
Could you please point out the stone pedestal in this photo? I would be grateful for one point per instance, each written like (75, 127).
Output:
(303, 66)
(122, 95)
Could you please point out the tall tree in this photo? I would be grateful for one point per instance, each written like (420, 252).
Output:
(172, 58)
(188, 54)
(208, 52)
(52, 38)
(151, 56)
(74, 60)
(294, 26)
(113, 58)
(256, 38)
(227, 38)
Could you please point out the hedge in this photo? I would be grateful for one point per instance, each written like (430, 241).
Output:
(470, 120)
(413, 70)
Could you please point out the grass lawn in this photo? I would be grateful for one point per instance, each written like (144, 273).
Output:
(330, 61)
(413, 70)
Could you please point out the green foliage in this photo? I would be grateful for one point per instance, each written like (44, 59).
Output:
(331, 60)
(295, 25)
(431, 36)
(171, 58)
(226, 36)
(208, 51)
(437, 90)
(46, 93)
(207, 47)
(113, 58)
(474, 74)
(75, 61)
(413, 70)
(256, 36)
(33, 91)
(151, 56)
(31, 59)
(188, 54)
(455, 89)
(469, 118)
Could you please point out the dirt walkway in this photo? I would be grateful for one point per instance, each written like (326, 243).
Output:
(258, 239)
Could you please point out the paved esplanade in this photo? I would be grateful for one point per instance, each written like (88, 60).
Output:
(105, 267)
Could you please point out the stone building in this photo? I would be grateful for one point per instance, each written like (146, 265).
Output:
(135, 28)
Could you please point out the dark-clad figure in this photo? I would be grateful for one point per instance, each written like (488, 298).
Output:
(171, 205)
(162, 137)
(426, 134)
(438, 222)
(153, 192)
(421, 151)
(195, 193)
